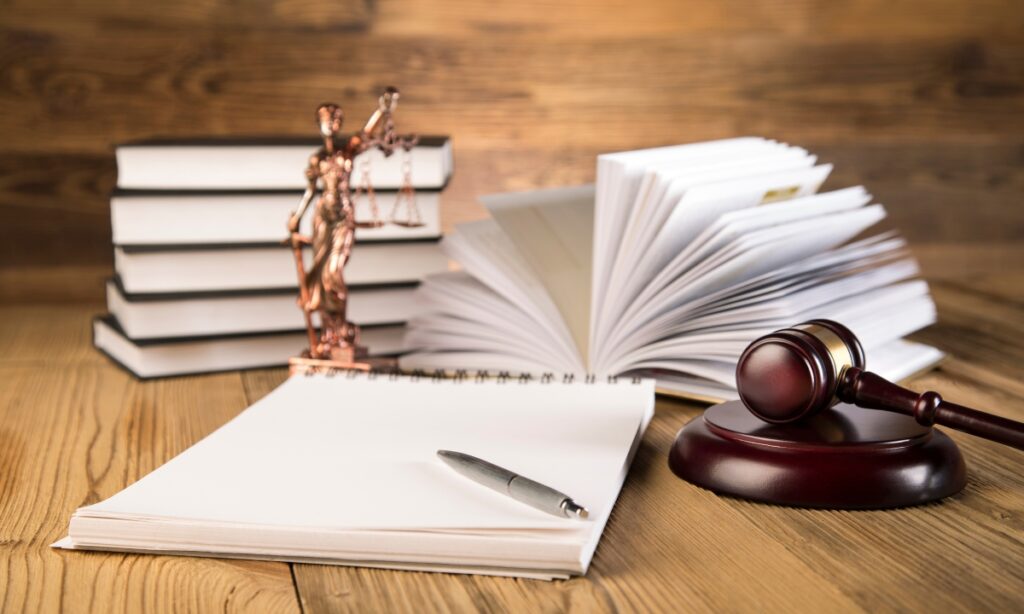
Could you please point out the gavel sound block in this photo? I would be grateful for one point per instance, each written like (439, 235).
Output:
(790, 440)
(844, 457)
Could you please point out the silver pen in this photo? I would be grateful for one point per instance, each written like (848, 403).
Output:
(521, 489)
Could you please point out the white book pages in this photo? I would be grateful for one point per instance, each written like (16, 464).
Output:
(696, 250)
(773, 287)
(908, 304)
(664, 187)
(659, 194)
(460, 334)
(745, 258)
(818, 268)
(734, 224)
(489, 255)
(618, 180)
(452, 298)
(695, 210)
(805, 297)
(553, 231)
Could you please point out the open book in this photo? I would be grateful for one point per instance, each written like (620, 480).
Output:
(676, 260)
(343, 469)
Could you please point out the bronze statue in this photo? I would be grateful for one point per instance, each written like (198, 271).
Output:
(322, 288)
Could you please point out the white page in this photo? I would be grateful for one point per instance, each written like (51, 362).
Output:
(660, 190)
(618, 180)
(664, 186)
(450, 334)
(553, 232)
(908, 305)
(734, 224)
(454, 302)
(695, 210)
(809, 295)
(488, 254)
(764, 293)
(338, 453)
(748, 257)
(862, 254)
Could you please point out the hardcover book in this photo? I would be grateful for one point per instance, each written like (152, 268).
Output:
(261, 163)
(211, 268)
(202, 314)
(165, 357)
(174, 217)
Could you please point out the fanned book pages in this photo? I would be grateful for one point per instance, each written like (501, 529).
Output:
(669, 266)
(342, 469)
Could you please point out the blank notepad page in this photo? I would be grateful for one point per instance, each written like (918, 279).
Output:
(343, 468)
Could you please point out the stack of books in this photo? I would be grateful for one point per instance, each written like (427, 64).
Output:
(204, 280)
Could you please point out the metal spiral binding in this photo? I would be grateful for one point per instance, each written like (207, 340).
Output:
(460, 376)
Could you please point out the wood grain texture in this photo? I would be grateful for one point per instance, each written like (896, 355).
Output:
(76, 429)
(918, 100)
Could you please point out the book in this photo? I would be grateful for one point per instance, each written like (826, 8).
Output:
(202, 314)
(165, 217)
(353, 477)
(174, 356)
(262, 163)
(669, 266)
(167, 269)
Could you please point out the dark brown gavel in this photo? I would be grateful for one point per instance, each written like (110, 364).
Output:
(798, 371)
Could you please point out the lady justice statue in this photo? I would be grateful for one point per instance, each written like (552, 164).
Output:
(322, 288)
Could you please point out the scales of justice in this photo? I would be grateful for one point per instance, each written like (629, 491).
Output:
(322, 287)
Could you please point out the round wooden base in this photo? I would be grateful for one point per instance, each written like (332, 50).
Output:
(844, 458)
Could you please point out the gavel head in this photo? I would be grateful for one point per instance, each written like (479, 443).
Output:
(794, 372)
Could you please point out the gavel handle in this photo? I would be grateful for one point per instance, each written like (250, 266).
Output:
(866, 389)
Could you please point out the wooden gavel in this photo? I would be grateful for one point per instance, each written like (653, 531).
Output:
(798, 371)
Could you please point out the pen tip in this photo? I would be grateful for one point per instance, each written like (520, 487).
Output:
(573, 509)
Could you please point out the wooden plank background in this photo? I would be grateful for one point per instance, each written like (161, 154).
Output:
(920, 100)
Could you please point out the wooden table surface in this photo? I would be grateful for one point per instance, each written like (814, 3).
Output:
(75, 429)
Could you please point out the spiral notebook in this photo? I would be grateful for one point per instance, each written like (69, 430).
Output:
(342, 469)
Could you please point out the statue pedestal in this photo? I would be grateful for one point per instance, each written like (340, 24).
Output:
(842, 458)
(300, 365)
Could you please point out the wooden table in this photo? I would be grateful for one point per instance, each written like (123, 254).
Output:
(74, 429)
